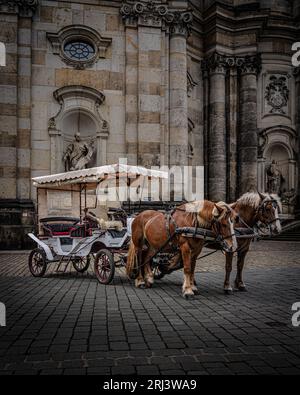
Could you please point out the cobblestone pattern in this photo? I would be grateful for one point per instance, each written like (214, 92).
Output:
(70, 324)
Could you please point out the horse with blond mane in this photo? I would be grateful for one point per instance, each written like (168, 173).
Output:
(252, 210)
(154, 231)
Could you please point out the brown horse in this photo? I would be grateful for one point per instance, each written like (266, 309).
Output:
(254, 210)
(151, 231)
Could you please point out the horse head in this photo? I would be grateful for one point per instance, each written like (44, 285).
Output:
(223, 219)
(268, 213)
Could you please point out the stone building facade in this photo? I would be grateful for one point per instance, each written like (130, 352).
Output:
(187, 82)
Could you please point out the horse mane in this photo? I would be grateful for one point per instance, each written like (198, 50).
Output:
(250, 199)
(203, 208)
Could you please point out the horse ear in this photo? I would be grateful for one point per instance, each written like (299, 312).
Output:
(261, 196)
(217, 211)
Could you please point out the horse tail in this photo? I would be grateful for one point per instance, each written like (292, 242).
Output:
(132, 260)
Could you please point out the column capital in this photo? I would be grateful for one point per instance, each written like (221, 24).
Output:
(219, 63)
(214, 64)
(249, 64)
(150, 13)
(22, 7)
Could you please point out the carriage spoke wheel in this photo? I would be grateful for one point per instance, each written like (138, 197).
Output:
(37, 262)
(104, 266)
(81, 264)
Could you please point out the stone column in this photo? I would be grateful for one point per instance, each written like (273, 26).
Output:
(131, 91)
(248, 133)
(296, 73)
(178, 117)
(217, 130)
(232, 110)
(24, 108)
(8, 105)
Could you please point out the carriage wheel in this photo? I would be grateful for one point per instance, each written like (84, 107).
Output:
(104, 266)
(37, 262)
(81, 264)
(158, 274)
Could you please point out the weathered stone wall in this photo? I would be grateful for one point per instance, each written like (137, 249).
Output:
(49, 73)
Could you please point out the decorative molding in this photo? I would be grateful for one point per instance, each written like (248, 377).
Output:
(24, 7)
(79, 32)
(219, 63)
(81, 98)
(157, 15)
(277, 94)
(191, 83)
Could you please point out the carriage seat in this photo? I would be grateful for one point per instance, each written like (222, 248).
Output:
(58, 226)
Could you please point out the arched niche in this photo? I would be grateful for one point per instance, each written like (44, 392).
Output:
(79, 112)
(278, 144)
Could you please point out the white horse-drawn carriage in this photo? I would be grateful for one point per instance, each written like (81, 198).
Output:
(69, 232)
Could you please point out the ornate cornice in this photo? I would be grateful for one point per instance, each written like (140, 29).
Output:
(218, 63)
(157, 15)
(24, 7)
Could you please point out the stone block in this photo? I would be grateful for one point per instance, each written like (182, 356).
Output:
(8, 124)
(24, 137)
(8, 188)
(8, 94)
(8, 109)
(112, 22)
(95, 18)
(8, 139)
(38, 57)
(24, 36)
(23, 155)
(46, 14)
(149, 133)
(43, 76)
(40, 159)
(150, 103)
(149, 42)
(149, 117)
(7, 156)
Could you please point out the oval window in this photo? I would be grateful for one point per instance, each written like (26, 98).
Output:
(79, 50)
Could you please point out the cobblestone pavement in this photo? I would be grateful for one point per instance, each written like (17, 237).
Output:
(70, 324)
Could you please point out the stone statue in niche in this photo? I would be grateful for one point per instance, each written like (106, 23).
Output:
(78, 154)
(274, 178)
(277, 94)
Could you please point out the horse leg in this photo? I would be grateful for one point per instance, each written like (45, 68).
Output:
(148, 273)
(139, 281)
(239, 283)
(227, 287)
(187, 291)
(193, 282)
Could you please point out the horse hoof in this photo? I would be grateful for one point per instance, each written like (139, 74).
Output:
(149, 285)
(189, 297)
(242, 289)
(142, 286)
(196, 291)
(228, 291)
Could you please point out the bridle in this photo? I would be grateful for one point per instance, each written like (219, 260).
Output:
(215, 225)
(260, 212)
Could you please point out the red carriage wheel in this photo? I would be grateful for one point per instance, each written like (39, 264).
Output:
(104, 266)
(81, 264)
